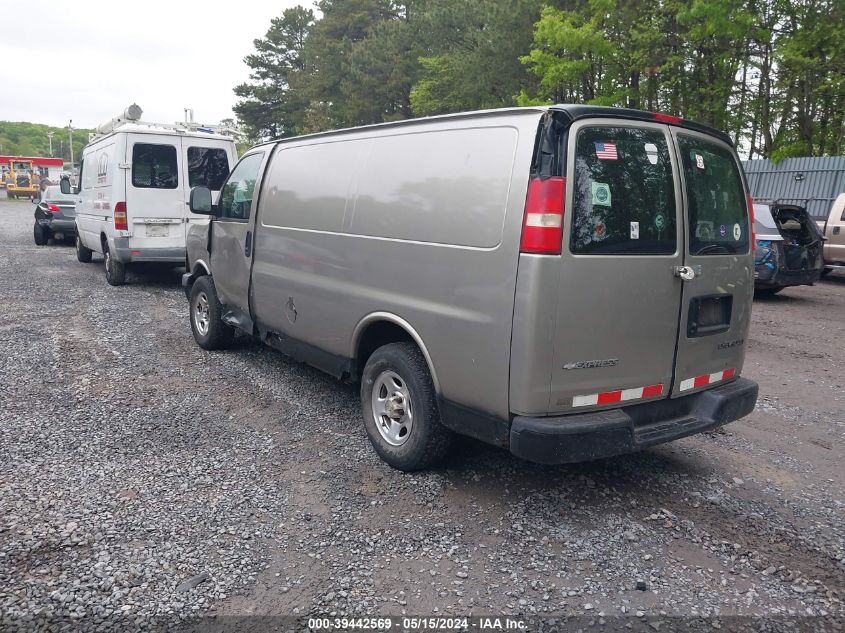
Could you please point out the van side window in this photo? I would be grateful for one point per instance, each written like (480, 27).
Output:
(236, 195)
(623, 194)
(207, 167)
(154, 166)
(88, 177)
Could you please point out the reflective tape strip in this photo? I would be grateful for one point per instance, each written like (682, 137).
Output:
(706, 379)
(620, 395)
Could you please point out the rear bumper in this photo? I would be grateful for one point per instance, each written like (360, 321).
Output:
(164, 255)
(64, 226)
(588, 436)
(767, 278)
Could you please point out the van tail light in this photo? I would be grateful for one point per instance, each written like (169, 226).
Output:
(120, 223)
(542, 227)
(53, 208)
(750, 202)
(667, 118)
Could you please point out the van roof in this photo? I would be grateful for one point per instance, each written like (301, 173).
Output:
(572, 111)
(140, 127)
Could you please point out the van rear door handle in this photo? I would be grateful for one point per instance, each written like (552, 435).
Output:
(248, 244)
(686, 273)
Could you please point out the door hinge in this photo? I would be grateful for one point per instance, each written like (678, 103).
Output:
(124, 166)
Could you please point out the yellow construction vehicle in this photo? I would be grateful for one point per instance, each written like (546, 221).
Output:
(22, 179)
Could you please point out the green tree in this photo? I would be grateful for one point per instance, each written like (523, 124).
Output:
(351, 55)
(30, 139)
(472, 51)
(272, 104)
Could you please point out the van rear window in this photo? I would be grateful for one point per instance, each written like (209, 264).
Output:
(154, 166)
(623, 194)
(207, 167)
(718, 210)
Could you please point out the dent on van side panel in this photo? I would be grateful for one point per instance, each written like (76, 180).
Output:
(317, 284)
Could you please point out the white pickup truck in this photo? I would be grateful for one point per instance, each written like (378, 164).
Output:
(834, 234)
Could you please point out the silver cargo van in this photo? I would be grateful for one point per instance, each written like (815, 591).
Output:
(569, 282)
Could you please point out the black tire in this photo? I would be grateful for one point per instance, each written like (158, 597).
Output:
(216, 334)
(115, 270)
(427, 441)
(767, 292)
(40, 235)
(83, 253)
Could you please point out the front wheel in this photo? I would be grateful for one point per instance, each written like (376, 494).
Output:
(40, 235)
(210, 331)
(400, 410)
(115, 270)
(83, 253)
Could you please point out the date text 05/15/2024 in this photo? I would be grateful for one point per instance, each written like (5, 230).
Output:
(430, 623)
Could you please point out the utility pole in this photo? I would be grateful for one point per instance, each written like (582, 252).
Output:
(70, 138)
(50, 138)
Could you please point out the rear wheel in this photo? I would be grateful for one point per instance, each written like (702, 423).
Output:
(400, 410)
(83, 253)
(115, 270)
(40, 235)
(768, 292)
(210, 331)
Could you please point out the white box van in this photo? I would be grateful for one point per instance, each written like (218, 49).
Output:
(134, 182)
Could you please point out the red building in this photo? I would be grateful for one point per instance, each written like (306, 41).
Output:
(50, 167)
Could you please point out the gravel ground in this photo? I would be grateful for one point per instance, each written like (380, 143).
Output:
(144, 480)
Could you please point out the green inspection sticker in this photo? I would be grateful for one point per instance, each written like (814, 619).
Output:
(601, 194)
(660, 221)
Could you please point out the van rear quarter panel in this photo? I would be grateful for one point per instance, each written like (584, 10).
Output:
(420, 221)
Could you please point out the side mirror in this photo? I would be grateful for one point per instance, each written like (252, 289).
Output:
(64, 185)
(200, 201)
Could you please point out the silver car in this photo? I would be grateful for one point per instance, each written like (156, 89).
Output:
(570, 282)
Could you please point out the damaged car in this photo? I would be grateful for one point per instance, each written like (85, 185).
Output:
(789, 248)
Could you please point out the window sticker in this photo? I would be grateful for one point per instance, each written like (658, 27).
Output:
(660, 222)
(601, 194)
(600, 229)
(704, 230)
(699, 161)
(737, 232)
(635, 230)
(606, 151)
(651, 153)
(723, 230)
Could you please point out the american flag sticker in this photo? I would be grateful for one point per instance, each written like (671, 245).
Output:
(606, 151)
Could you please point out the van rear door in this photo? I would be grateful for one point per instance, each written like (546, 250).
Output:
(155, 198)
(619, 302)
(719, 276)
(205, 163)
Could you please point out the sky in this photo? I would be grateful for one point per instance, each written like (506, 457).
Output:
(87, 60)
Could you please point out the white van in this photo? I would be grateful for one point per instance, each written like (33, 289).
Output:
(134, 183)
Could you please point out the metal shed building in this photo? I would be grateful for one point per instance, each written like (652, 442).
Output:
(811, 182)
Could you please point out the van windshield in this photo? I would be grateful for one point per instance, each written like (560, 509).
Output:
(718, 211)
